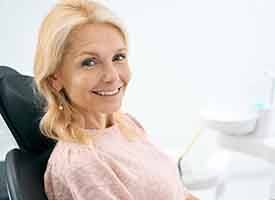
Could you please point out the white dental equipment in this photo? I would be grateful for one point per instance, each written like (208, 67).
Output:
(206, 175)
(247, 131)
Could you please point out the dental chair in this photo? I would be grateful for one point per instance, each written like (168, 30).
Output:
(21, 109)
(3, 191)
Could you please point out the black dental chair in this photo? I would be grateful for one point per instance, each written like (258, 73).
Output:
(21, 109)
(3, 190)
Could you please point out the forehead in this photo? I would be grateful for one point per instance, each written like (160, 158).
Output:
(96, 37)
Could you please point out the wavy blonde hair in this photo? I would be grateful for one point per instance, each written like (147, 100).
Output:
(65, 16)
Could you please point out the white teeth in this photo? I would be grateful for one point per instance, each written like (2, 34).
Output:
(107, 93)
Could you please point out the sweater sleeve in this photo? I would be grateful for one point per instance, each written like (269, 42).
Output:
(95, 181)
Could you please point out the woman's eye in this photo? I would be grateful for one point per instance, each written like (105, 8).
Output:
(119, 57)
(89, 62)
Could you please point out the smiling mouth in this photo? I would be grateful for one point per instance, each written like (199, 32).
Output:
(107, 93)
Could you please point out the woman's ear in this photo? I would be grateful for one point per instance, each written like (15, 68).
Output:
(55, 81)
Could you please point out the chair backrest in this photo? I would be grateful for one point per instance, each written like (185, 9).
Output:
(21, 108)
(25, 175)
(4, 71)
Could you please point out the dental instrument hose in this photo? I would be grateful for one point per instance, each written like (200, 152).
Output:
(188, 148)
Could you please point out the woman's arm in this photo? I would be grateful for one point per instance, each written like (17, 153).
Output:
(94, 181)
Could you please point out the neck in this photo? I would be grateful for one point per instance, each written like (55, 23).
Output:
(98, 121)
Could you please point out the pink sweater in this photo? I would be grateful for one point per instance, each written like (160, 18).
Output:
(116, 170)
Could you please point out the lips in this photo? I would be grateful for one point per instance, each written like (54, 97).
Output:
(107, 92)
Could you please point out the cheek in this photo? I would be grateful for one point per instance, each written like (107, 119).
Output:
(126, 74)
(81, 84)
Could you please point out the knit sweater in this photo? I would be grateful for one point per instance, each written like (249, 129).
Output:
(116, 169)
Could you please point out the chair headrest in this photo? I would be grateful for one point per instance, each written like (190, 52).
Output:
(4, 70)
(21, 108)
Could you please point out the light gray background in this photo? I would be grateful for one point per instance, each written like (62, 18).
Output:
(184, 55)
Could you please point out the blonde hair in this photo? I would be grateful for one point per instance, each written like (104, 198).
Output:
(67, 15)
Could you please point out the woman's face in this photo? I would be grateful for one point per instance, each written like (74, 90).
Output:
(94, 71)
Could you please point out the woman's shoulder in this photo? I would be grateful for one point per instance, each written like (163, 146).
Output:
(134, 120)
(134, 123)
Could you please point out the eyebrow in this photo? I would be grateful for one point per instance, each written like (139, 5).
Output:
(95, 53)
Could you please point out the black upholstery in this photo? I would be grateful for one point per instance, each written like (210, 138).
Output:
(21, 109)
(4, 71)
(3, 189)
(25, 174)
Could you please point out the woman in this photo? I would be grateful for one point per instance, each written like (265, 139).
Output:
(81, 69)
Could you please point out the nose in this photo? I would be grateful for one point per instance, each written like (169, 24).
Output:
(110, 73)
